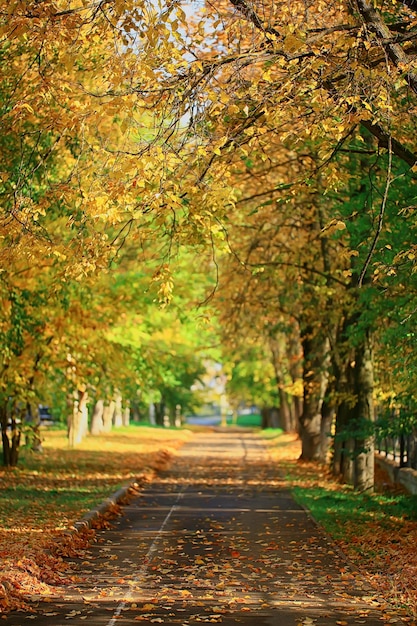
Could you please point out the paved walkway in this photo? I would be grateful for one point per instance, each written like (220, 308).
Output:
(216, 539)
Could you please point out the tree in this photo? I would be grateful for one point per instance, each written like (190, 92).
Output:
(71, 186)
(242, 117)
(150, 125)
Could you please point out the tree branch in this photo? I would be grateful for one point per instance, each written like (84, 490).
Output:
(308, 270)
(385, 140)
(393, 50)
(380, 218)
(250, 13)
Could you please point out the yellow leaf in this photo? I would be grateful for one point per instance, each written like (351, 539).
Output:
(292, 43)
(25, 105)
(332, 226)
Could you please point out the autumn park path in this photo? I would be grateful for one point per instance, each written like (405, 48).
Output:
(215, 539)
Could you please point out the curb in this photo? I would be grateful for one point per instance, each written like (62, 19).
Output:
(122, 495)
(87, 521)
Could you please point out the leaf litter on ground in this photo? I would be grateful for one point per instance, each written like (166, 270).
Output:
(34, 546)
(377, 532)
(48, 492)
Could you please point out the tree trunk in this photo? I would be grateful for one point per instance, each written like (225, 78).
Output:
(315, 377)
(327, 417)
(178, 417)
(11, 446)
(343, 442)
(152, 418)
(118, 414)
(159, 412)
(264, 418)
(297, 412)
(78, 424)
(270, 417)
(354, 441)
(97, 424)
(126, 415)
(10, 434)
(277, 344)
(33, 438)
(108, 412)
(364, 414)
(284, 411)
(6, 447)
(296, 372)
(83, 407)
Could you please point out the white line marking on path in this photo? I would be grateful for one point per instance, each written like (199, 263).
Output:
(142, 572)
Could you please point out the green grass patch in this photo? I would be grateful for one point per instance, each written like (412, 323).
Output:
(247, 421)
(32, 506)
(345, 512)
(273, 433)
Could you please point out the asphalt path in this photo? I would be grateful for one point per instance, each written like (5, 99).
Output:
(215, 539)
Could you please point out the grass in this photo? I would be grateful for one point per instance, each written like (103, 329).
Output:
(49, 491)
(339, 511)
(376, 531)
(73, 481)
(274, 433)
(247, 421)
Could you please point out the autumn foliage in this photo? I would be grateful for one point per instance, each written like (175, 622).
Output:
(46, 496)
(249, 167)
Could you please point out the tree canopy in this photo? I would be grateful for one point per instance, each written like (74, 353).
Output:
(244, 167)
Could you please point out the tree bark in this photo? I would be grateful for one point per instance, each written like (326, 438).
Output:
(10, 434)
(364, 459)
(97, 424)
(108, 412)
(343, 442)
(159, 412)
(126, 415)
(270, 417)
(297, 412)
(315, 378)
(328, 414)
(285, 416)
(295, 359)
(118, 414)
(354, 441)
(278, 347)
(78, 424)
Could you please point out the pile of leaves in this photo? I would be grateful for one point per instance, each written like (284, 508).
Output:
(375, 531)
(47, 493)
